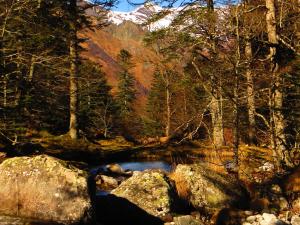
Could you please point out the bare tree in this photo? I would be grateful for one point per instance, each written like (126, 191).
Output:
(281, 153)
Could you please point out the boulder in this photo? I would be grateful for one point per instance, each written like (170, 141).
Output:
(44, 188)
(269, 219)
(264, 219)
(295, 220)
(114, 168)
(267, 167)
(106, 183)
(205, 189)
(296, 204)
(187, 220)
(150, 190)
(276, 198)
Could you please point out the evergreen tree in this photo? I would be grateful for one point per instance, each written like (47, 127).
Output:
(30, 41)
(98, 109)
(126, 86)
(36, 40)
(154, 123)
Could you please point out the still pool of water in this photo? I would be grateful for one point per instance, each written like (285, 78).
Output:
(136, 166)
(132, 166)
(141, 166)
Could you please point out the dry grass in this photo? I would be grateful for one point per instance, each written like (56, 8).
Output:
(182, 187)
(116, 142)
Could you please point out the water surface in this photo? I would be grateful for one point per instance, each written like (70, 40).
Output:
(136, 166)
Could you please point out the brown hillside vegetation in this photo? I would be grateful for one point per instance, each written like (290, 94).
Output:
(104, 45)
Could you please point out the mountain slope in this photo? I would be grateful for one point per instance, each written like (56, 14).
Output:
(103, 46)
(138, 16)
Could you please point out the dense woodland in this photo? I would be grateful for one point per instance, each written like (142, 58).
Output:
(228, 74)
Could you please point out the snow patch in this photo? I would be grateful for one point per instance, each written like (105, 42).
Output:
(141, 14)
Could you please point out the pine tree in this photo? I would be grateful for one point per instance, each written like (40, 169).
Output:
(98, 109)
(36, 38)
(126, 87)
(29, 42)
(154, 123)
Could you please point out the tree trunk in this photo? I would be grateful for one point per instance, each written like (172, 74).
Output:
(168, 102)
(250, 94)
(210, 5)
(31, 69)
(217, 122)
(1, 58)
(236, 136)
(4, 92)
(216, 97)
(73, 128)
(276, 100)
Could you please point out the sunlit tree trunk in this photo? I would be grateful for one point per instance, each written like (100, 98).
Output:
(168, 103)
(236, 136)
(216, 101)
(276, 98)
(31, 69)
(250, 94)
(73, 128)
(217, 121)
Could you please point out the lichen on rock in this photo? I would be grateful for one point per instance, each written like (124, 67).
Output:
(149, 190)
(44, 188)
(206, 189)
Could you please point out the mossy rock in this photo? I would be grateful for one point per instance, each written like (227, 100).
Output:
(149, 190)
(44, 188)
(206, 189)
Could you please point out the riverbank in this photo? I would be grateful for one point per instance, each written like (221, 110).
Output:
(267, 190)
(195, 193)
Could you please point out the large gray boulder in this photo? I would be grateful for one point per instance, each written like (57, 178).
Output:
(149, 190)
(44, 188)
(206, 189)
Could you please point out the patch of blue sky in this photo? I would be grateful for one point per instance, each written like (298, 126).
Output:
(129, 5)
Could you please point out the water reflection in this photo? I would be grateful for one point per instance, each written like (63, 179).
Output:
(136, 166)
(128, 166)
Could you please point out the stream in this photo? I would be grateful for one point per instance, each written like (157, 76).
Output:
(135, 166)
(129, 166)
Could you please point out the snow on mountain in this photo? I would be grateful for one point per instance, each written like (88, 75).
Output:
(141, 14)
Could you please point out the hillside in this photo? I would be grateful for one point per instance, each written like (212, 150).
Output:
(104, 45)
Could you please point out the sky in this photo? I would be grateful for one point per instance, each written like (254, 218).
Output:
(124, 6)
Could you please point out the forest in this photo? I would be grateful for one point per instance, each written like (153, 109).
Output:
(221, 114)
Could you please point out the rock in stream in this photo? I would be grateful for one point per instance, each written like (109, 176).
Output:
(150, 190)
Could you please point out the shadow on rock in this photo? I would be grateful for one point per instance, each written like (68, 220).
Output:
(111, 209)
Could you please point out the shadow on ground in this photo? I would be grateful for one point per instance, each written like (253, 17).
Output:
(111, 209)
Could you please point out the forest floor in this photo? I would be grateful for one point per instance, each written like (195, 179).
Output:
(255, 163)
(256, 171)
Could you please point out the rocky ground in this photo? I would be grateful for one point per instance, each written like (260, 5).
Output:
(52, 190)
(193, 194)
